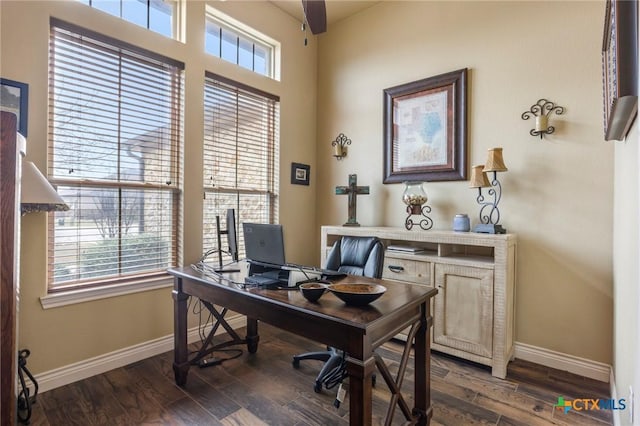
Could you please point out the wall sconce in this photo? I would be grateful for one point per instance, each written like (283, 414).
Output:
(489, 213)
(541, 111)
(339, 146)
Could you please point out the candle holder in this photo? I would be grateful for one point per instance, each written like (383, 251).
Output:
(541, 111)
(339, 146)
(415, 198)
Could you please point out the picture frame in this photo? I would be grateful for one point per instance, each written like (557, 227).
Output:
(300, 173)
(425, 129)
(620, 67)
(14, 97)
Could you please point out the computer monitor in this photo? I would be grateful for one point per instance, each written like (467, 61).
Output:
(264, 244)
(232, 240)
(232, 235)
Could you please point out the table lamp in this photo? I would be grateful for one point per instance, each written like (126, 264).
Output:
(489, 213)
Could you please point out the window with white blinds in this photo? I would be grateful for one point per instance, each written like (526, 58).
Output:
(115, 143)
(240, 157)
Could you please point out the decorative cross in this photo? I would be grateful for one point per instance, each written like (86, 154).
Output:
(352, 190)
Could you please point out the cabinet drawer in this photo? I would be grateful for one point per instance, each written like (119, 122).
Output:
(407, 270)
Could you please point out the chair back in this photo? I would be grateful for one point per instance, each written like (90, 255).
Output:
(357, 256)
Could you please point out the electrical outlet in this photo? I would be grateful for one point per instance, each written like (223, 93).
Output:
(631, 404)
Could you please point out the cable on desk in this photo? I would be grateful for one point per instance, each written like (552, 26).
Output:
(307, 279)
(205, 269)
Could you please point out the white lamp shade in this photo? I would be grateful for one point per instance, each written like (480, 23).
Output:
(37, 194)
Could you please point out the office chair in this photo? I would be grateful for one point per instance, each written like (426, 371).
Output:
(362, 256)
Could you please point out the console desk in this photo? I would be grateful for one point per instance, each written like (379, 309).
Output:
(356, 330)
(475, 274)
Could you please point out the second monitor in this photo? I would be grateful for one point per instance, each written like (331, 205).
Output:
(264, 244)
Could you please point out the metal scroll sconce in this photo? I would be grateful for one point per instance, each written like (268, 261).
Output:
(541, 110)
(339, 146)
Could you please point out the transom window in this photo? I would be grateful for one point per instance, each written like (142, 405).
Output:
(232, 41)
(155, 15)
(115, 144)
(240, 157)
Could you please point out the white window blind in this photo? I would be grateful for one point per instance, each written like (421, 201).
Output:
(115, 132)
(240, 156)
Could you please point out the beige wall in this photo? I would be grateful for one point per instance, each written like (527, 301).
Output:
(61, 336)
(626, 268)
(557, 194)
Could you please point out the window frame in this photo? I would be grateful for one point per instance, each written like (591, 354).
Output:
(271, 191)
(176, 16)
(132, 281)
(243, 32)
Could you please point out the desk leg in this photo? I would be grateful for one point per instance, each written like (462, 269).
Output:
(422, 369)
(180, 350)
(360, 394)
(252, 335)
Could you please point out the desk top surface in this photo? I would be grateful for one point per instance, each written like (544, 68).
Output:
(398, 296)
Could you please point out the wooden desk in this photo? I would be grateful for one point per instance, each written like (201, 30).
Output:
(356, 330)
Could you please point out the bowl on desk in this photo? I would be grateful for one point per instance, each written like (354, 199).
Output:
(357, 294)
(313, 291)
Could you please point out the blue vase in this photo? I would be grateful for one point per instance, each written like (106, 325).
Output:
(461, 223)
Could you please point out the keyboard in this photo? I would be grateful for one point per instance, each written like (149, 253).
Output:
(329, 273)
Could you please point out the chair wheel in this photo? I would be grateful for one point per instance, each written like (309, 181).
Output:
(317, 388)
(296, 363)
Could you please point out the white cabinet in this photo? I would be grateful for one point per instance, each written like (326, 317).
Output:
(475, 277)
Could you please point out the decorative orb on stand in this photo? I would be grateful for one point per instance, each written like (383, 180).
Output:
(415, 198)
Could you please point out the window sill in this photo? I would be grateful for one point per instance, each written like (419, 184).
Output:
(57, 300)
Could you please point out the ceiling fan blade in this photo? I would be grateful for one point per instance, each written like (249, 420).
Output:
(316, 14)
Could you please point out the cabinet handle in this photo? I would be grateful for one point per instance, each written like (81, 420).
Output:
(394, 268)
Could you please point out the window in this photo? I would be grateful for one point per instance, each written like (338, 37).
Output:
(155, 15)
(234, 42)
(115, 131)
(240, 156)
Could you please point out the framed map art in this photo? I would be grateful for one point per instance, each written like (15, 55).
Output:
(620, 67)
(425, 132)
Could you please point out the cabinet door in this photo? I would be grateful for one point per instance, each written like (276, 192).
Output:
(463, 315)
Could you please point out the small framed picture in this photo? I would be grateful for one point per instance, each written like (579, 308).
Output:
(300, 174)
(14, 97)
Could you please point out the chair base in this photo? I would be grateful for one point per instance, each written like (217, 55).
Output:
(332, 371)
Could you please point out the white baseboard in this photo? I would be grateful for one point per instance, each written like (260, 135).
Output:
(101, 364)
(561, 361)
(83, 369)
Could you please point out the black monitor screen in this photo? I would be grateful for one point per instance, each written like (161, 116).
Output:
(264, 243)
(232, 236)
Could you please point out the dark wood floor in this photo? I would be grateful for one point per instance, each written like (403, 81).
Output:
(264, 388)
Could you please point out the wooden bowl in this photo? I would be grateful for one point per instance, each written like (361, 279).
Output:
(313, 291)
(357, 294)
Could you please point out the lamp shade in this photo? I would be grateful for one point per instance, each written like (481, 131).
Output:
(495, 163)
(478, 177)
(37, 194)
